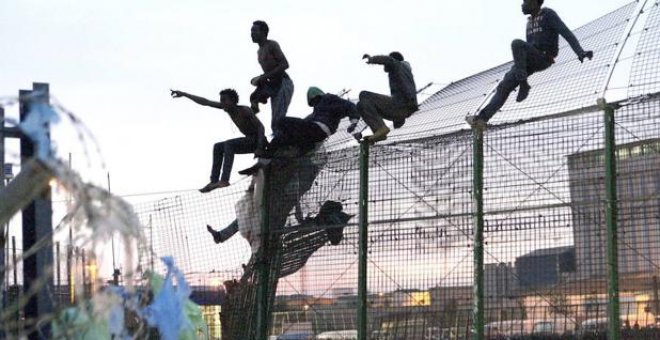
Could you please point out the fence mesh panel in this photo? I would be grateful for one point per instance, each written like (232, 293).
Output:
(544, 196)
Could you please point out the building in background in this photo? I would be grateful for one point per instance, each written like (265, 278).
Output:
(544, 267)
(638, 184)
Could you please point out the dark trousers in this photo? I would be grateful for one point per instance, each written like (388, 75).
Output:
(527, 59)
(374, 107)
(280, 92)
(223, 155)
(297, 132)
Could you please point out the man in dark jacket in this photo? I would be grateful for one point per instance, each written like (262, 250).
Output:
(402, 102)
(303, 134)
(536, 54)
(329, 110)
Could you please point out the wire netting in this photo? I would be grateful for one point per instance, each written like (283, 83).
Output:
(545, 224)
(646, 65)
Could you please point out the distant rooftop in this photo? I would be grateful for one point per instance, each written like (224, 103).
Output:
(549, 251)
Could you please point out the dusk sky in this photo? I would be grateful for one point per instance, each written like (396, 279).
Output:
(112, 64)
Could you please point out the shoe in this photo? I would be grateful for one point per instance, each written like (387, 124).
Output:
(335, 235)
(251, 170)
(214, 185)
(476, 122)
(399, 123)
(217, 236)
(379, 135)
(523, 91)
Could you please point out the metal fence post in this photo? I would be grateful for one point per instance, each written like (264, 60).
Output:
(3, 232)
(611, 215)
(478, 221)
(262, 263)
(37, 226)
(363, 242)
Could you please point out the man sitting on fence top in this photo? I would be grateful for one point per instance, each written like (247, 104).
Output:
(223, 152)
(402, 103)
(536, 54)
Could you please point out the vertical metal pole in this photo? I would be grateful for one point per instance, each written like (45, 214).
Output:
(656, 298)
(478, 220)
(4, 230)
(14, 260)
(59, 276)
(16, 292)
(262, 263)
(363, 241)
(84, 275)
(2, 144)
(69, 271)
(37, 226)
(151, 243)
(611, 215)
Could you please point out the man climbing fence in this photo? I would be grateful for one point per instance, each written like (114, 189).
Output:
(534, 55)
(274, 83)
(402, 103)
(223, 152)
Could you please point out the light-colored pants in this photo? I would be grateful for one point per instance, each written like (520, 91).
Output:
(279, 103)
(374, 107)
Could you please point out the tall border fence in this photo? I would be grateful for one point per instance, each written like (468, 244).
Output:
(545, 225)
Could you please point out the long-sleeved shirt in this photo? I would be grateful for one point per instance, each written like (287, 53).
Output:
(402, 82)
(543, 33)
(331, 109)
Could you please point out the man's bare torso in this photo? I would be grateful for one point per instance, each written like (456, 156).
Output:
(269, 55)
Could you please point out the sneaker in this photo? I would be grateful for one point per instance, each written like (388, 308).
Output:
(213, 185)
(523, 91)
(476, 122)
(398, 123)
(379, 135)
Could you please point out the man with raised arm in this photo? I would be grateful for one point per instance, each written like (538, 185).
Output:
(534, 55)
(274, 83)
(223, 152)
(402, 102)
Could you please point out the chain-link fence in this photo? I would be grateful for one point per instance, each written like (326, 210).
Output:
(570, 235)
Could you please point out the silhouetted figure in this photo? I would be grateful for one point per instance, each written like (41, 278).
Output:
(274, 83)
(303, 134)
(536, 54)
(402, 102)
(331, 216)
(223, 152)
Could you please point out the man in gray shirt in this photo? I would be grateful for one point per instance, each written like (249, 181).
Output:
(536, 54)
(374, 107)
